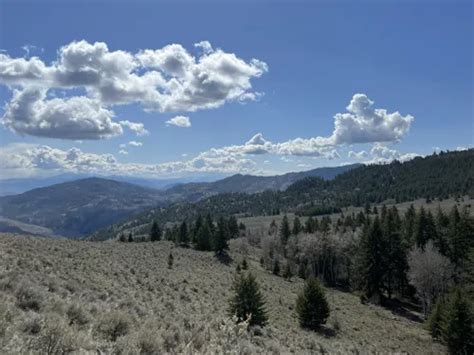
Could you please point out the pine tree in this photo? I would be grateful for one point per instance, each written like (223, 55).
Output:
(276, 267)
(130, 237)
(436, 320)
(170, 260)
(461, 237)
(311, 305)
(248, 301)
(309, 225)
(155, 232)
(233, 227)
(183, 236)
(287, 272)
(196, 227)
(122, 238)
(296, 226)
(424, 228)
(203, 239)
(245, 265)
(372, 261)
(285, 230)
(220, 244)
(459, 332)
(409, 225)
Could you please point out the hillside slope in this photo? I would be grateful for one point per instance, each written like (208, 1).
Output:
(77, 291)
(78, 207)
(250, 184)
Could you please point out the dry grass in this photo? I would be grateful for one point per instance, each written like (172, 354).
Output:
(60, 296)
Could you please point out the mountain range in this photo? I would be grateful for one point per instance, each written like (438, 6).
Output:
(79, 207)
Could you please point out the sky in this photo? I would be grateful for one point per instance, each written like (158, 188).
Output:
(168, 89)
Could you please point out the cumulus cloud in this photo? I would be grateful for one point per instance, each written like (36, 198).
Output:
(29, 112)
(380, 153)
(167, 79)
(179, 121)
(136, 127)
(135, 144)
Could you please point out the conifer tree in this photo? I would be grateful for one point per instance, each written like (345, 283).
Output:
(221, 236)
(183, 236)
(247, 301)
(203, 238)
(309, 225)
(170, 260)
(287, 272)
(276, 267)
(459, 332)
(122, 238)
(296, 226)
(409, 225)
(372, 261)
(233, 227)
(130, 237)
(196, 227)
(155, 232)
(311, 305)
(285, 230)
(245, 265)
(424, 228)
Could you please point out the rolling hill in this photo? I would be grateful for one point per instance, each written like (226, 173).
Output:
(78, 207)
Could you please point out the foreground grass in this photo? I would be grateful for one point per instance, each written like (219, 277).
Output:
(72, 296)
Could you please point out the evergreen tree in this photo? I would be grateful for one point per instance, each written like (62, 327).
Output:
(247, 301)
(409, 225)
(183, 236)
(122, 238)
(196, 227)
(424, 228)
(459, 332)
(311, 305)
(155, 232)
(285, 230)
(170, 260)
(287, 272)
(436, 320)
(221, 236)
(296, 226)
(276, 267)
(245, 265)
(461, 237)
(203, 238)
(309, 225)
(372, 261)
(233, 227)
(130, 237)
(325, 225)
(442, 225)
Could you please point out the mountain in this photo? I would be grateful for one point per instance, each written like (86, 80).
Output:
(435, 176)
(20, 185)
(249, 183)
(78, 207)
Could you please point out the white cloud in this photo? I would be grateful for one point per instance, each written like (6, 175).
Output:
(29, 112)
(135, 144)
(136, 127)
(123, 152)
(358, 155)
(168, 79)
(179, 121)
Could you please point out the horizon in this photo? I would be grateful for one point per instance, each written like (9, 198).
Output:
(253, 98)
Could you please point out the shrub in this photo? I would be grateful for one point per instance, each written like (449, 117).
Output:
(247, 301)
(28, 298)
(311, 305)
(55, 337)
(77, 315)
(113, 325)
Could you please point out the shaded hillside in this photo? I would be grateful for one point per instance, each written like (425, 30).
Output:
(78, 207)
(435, 176)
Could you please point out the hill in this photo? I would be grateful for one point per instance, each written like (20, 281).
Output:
(78, 207)
(122, 298)
(436, 176)
(250, 184)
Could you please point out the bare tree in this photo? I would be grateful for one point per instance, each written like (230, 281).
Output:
(430, 273)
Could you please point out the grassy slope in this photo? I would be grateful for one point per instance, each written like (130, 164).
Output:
(177, 310)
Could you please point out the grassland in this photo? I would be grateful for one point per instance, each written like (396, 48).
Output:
(63, 296)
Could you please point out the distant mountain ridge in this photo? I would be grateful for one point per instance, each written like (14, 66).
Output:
(250, 183)
(79, 207)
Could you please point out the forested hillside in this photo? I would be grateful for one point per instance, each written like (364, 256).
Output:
(435, 176)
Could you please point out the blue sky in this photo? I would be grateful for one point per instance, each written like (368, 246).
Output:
(410, 57)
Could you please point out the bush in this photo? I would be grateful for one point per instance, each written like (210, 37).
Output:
(247, 301)
(55, 337)
(77, 315)
(459, 332)
(113, 325)
(311, 305)
(28, 298)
